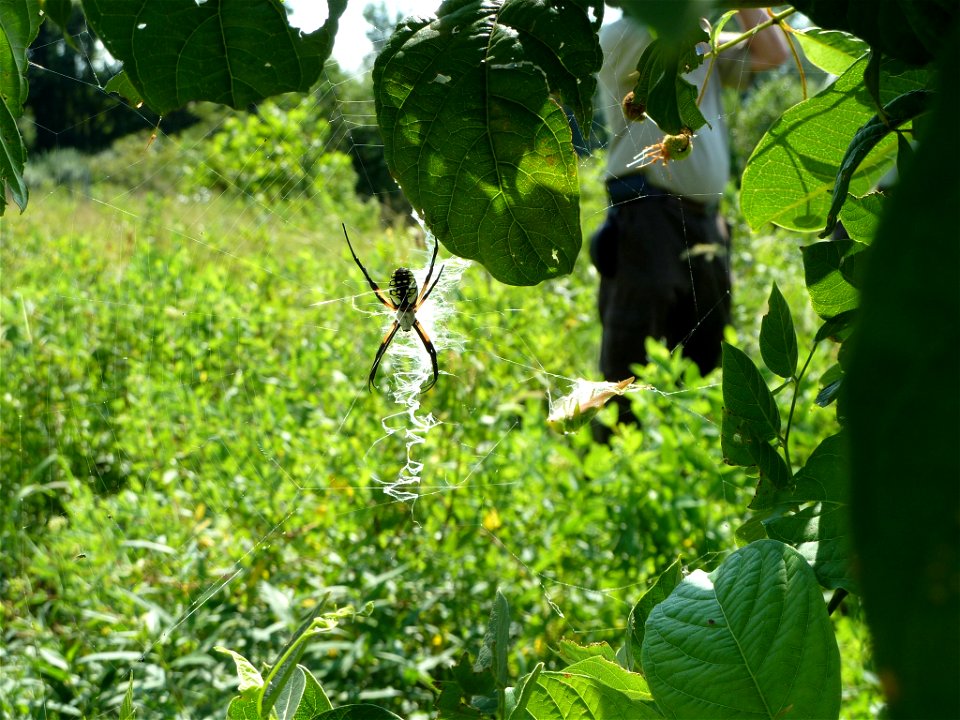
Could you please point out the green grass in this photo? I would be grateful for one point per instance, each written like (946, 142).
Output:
(188, 456)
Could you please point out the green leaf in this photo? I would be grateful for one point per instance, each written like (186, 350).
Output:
(778, 339)
(790, 176)
(830, 292)
(735, 440)
(286, 669)
(657, 593)
(774, 475)
(523, 692)
(249, 676)
(902, 390)
(753, 530)
(895, 113)
(861, 215)
(830, 384)
(301, 698)
(717, 27)
(912, 31)
(458, 696)
(234, 52)
(838, 327)
(612, 675)
(126, 707)
(746, 397)
(572, 652)
(243, 708)
(470, 105)
(496, 641)
(288, 697)
(820, 531)
(19, 25)
(361, 711)
(59, 11)
(661, 89)
(120, 84)
(833, 51)
(569, 696)
(751, 639)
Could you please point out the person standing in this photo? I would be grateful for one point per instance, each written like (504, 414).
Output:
(663, 250)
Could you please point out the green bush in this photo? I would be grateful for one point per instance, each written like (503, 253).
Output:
(274, 154)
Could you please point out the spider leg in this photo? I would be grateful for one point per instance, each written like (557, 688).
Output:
(384, 344)
(431, 350)
(433, 262)
(427, 290)
(373, 286)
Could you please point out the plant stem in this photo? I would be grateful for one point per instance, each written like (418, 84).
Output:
(747, 34)
(796, 59)
(793, 405)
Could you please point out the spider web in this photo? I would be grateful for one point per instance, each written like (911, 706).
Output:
(194, 459)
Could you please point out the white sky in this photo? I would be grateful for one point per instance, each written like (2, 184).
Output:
(351, 44)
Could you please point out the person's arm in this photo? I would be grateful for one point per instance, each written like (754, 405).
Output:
(768, 48)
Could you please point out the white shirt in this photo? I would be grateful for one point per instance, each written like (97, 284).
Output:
(703, 175)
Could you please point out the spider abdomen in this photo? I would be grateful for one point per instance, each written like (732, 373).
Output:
(403, 289)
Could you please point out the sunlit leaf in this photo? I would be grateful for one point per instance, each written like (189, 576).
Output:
(790, 176)
(471, 107)
(910, 31)
(861, 215)
(235, 53)
(895, 113)
(833, 51)
(568, 695)
(751, 639)
(831, 293)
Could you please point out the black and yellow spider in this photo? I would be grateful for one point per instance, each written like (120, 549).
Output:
(404, 300)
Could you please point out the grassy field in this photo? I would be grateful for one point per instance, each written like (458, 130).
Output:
(190, 458)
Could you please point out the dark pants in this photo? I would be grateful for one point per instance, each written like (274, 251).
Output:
(665, 273)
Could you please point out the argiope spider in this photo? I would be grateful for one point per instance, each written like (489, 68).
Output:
(405, 301)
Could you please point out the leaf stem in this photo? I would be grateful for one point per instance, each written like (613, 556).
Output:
(747, 34)
(793, 405)
(796, 57)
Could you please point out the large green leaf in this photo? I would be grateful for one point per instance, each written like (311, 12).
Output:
(903, 390)
(832, 51)
(19, 25)
(752, 639)
(470, 105)
(233, 52)
(637, 620)
(575, 695)
(820, 529)
(911, 30)
(790, 176)
(898, 111)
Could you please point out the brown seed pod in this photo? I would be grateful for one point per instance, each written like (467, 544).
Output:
(633, 110)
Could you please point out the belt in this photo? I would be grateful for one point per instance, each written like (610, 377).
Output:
(631, 187)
